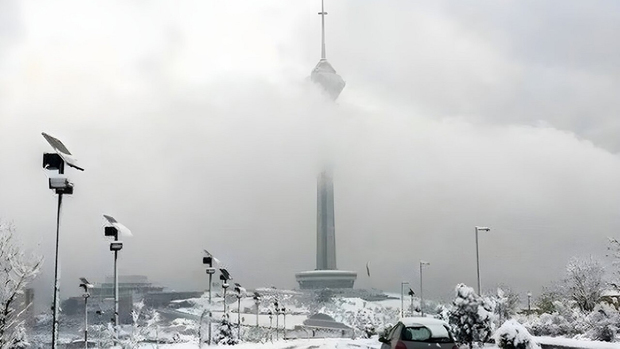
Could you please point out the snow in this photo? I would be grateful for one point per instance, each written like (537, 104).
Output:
(424, 321)
(575, 343)
(513, 335)
(324, 343)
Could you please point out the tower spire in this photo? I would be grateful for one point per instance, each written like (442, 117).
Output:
(322, 13)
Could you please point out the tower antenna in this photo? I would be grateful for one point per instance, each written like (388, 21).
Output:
(322, 13)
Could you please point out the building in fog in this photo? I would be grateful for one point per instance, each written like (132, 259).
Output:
(326, 274)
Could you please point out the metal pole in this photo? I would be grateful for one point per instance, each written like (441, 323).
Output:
(412, 305)
(239, 317)
(210, 313)
(421, 292)
(277, 322)
(202, 316)
(257, 311)
(56, 281)
(100, 330)
(86, 321)
(116, 322)
(477, 261)
(225, 315)
(284, 330)
(529, 307)
(401, 300)
(270, 326)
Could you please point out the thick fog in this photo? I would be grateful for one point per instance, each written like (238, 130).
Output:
(198, 128)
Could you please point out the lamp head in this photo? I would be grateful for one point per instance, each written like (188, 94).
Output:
(85, 284)
(225, 274)
(121, 230)
(62, 151)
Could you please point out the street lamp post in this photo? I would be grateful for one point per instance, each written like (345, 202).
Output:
(270, 325)
(239, 291)
(61, 185)
(402, 298)
(277, 318)
(99, 314)
(284, 322)
(478, 254)
(225, 277)
(208, 260)
(86, 286)
(422, 263)
(114, 230)
(257, 301)
(411, 294)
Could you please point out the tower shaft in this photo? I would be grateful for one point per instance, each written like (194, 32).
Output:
(325, 227)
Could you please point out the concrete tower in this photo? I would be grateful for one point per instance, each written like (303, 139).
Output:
(325, 223)
(326, 274)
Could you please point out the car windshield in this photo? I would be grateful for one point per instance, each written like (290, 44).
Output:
(431, 333)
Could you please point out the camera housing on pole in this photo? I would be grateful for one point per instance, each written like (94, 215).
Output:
(55, 162)
(114, 230)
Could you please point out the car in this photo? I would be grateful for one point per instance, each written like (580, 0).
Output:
(418, 333)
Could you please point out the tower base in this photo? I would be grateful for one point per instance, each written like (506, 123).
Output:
(320, 279)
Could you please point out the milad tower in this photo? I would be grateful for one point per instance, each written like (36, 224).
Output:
(326, 274)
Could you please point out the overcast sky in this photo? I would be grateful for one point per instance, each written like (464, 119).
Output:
(198, 128)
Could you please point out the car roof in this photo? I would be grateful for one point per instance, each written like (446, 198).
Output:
(421, 321)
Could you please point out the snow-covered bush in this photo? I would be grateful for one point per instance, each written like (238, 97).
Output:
(566, 320)
(226, 334)
(471, 317)
(442, 313)
(512, 335)
(604, 321)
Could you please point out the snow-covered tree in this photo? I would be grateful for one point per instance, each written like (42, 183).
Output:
(471, 316)
(547, 298)
(16, 270)
(584, 282)
(144, 326)
(226, 333)
(512, 335)
(614, 253)
(506, 304)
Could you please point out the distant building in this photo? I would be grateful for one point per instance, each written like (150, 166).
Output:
(130, 288)
(136, 285)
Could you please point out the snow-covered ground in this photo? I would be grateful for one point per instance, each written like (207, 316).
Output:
(576, 343)
(326, 343)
